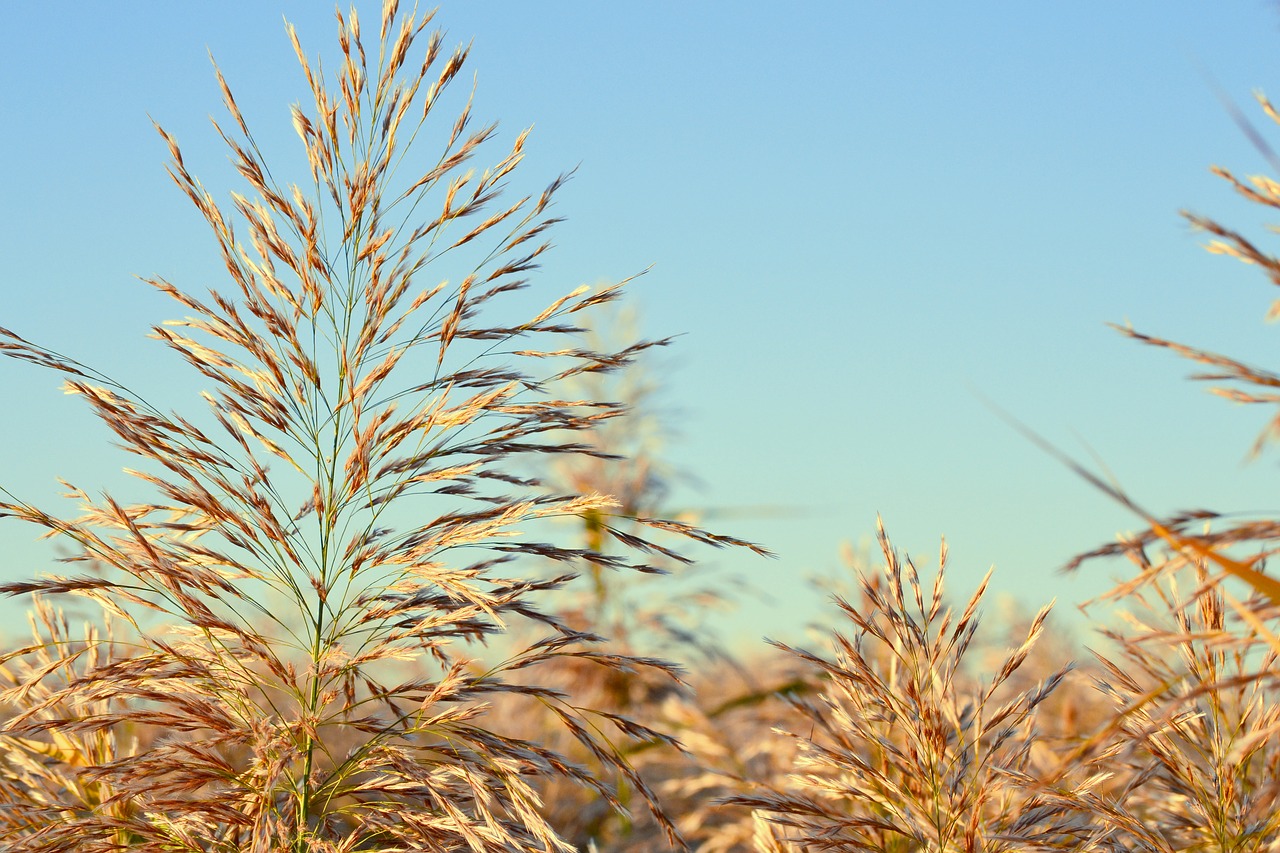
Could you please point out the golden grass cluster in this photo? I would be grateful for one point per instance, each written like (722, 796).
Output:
(345, 620)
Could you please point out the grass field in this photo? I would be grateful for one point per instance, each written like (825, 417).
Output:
(405, 578)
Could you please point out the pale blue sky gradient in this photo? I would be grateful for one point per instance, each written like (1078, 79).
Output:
(859, 213)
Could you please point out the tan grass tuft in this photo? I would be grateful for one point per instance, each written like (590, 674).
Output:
(900, 750)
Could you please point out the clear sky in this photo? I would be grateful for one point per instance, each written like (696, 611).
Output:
(863, 216)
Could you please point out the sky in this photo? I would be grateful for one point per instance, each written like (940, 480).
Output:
(864, 220)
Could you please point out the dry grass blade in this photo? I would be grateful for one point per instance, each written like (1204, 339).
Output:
(1167, 531)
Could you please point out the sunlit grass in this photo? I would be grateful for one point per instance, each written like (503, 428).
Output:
(350, 616)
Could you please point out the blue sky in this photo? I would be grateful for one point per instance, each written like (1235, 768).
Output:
(863, 217)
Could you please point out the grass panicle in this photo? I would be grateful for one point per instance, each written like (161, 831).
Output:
(902, 749)
(1197, 716)
(327, 542)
